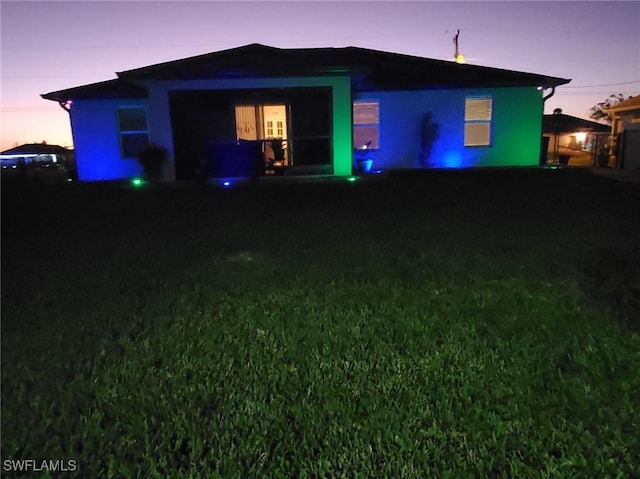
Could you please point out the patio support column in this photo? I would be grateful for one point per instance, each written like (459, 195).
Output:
(342, 127)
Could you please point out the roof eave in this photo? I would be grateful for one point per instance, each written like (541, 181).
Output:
(114, 88)
(622, 110)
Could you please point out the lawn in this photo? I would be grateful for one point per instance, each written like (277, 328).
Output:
(421, 324)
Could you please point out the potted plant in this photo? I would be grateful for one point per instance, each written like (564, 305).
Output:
(365, 162)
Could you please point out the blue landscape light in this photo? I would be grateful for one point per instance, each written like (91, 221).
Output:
(452, 159)
(367, 163)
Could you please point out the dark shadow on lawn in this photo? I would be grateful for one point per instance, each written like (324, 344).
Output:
(611, 278)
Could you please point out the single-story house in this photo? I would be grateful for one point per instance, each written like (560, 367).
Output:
(38, 162)
(625, 134)
(256, 109)
(37, 154)
(574, 141)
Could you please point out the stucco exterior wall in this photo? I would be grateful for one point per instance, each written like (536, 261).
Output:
(96, 140)
(516, 127)
(96, 136)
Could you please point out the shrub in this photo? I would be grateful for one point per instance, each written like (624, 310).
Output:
(429, 133)
(151, 158)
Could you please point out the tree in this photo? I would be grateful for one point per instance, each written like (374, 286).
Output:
(598, 113)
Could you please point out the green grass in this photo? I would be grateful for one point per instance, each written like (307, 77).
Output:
(434, 324)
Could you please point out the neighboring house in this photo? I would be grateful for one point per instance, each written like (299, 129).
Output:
(625, 134)
(236, 112)
(574, 141)
(36, 154)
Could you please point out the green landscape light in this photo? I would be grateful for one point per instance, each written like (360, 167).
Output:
(137, 182)
(352, 179)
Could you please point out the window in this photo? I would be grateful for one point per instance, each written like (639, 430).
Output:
(366, 124)
(477, 121)
(134, 135)
(246, 123)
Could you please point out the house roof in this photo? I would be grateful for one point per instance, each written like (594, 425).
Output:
(368, 69)
(115, 88)
(632, 103)
(37, 149)
(560, 123)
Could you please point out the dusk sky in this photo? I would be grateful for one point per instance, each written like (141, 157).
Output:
(48, 46)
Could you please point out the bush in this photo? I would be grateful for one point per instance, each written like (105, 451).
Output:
(429, 133)
(151, 158)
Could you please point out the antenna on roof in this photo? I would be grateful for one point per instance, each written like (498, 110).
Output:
(458, 57)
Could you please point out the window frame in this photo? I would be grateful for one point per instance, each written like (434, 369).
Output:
(124, 132)
(474, 119)
(376, 125)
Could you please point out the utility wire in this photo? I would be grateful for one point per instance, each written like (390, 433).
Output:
(26, 109)
(590, 94)
(605, 84)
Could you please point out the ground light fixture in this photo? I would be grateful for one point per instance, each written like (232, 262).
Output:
(352, 179)
(228, 182)
(138, 182)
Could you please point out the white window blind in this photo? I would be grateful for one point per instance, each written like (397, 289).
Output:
(478, 113)
(366, 124)
(477, 109)
(477, 134)
(246, 122)
(365, 112)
